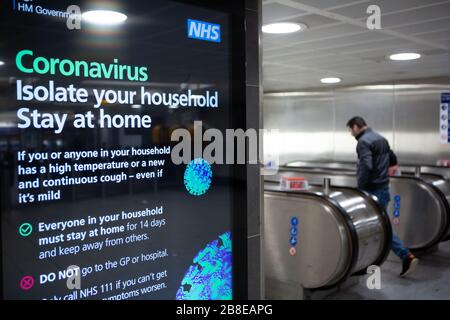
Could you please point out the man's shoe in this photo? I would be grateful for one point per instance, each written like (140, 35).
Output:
(409, 265)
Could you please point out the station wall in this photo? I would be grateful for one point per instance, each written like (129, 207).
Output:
(312, 123)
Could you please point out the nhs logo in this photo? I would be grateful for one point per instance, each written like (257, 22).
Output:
(201, 30)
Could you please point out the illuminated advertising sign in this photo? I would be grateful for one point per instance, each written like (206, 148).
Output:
(93, 206)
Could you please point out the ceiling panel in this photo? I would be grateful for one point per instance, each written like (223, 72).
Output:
(413, 16)
(338, 41)
(388, 7)
(314, 34)
(422, 26)
(440, 37)
(341, 45)
(325, 4)
(274, 11)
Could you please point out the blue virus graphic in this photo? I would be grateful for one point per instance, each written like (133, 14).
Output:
(209, 278)
(198, 177)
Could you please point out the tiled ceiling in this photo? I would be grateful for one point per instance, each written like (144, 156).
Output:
(338, 42)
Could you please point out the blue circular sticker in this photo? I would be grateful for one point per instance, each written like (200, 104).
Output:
(293, 241)
(396, 213)
(294, 221)
(293, 231)
(397, 198)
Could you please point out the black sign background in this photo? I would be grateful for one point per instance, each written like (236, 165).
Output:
(154, 36)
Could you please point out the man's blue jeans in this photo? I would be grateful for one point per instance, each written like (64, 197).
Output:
(384, 197)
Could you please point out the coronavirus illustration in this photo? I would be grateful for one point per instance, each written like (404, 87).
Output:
(198, 177)
(209, 278)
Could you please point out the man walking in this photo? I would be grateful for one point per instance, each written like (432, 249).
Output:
(374, 159)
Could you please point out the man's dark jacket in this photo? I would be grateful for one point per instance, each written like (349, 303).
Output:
(374, 159)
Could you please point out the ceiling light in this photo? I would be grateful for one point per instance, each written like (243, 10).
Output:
(404, 56)
(2, 63)
(104, 17)
(330, 80)
(283, 27)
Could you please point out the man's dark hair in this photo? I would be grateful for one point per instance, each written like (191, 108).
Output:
(358, 121)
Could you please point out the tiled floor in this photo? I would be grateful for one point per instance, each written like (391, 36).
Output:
(431, 280)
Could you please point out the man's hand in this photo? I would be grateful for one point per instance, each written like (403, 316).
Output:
(394, 171)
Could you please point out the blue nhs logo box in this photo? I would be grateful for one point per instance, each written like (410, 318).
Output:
(201, 30)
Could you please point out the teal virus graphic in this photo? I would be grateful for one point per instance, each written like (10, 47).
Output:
(198, 177)
(209, 278)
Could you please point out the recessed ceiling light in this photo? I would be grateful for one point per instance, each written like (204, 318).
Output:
(104, 17)
(330, 80)
(405, 56)
(283, 27)
(2, 63)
